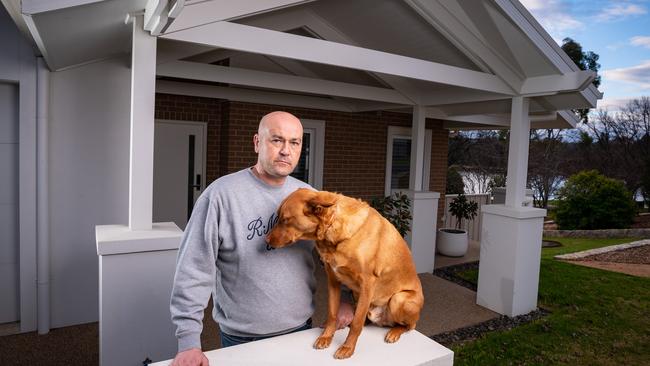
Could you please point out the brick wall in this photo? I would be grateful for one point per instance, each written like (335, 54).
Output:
(355, 143)
(196, 109)
(355, 147)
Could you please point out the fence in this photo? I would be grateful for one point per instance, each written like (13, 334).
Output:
(473, 227)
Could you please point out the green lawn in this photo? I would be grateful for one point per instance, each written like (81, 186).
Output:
(597, 318)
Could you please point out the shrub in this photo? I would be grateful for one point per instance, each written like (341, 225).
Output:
(455, 182)
(590, 201)
(396, 209)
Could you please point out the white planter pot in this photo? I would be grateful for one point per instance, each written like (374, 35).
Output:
(452, 242)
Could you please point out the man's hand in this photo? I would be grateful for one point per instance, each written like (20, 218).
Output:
(345, 315)
(191, 357)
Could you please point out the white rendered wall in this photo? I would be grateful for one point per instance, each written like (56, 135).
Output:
(18, 65)
(89, 176)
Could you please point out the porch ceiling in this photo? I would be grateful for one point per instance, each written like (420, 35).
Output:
(462, 59)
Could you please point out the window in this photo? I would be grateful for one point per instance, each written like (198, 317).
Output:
(398, 159)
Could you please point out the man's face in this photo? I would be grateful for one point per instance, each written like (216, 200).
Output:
(278, 145)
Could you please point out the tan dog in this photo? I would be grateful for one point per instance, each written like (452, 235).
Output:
(361, 250)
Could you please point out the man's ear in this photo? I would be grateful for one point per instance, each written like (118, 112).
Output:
(256, 142)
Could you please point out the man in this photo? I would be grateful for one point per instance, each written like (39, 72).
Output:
(257, 292)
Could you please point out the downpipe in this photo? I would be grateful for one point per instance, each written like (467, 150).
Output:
(42, 200)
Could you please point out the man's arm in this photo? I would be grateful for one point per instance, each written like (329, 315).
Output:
(195, 275)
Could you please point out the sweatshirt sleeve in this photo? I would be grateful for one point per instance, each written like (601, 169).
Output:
(195, 274)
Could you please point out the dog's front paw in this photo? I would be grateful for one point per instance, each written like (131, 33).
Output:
(344, 352)
(322, 342)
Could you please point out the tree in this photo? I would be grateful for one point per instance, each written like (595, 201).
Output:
(585, 61)
(547, 163)
(480, 155)
(619, 142)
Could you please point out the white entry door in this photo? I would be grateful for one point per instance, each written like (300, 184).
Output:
(179, 169)
(9, 253)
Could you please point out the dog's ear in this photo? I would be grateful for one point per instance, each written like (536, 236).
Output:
(320, 202)
(321, 206)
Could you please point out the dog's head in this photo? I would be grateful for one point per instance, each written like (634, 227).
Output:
(304, 214)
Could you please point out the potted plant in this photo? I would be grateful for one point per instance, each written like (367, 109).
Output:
(454, 242)
(396, 209)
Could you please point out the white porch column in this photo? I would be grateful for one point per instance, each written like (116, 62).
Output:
(137, 262)
(518, 152)
(417, 148)
(424, 204)
(143, 92)
(511, 235)
(422, 237)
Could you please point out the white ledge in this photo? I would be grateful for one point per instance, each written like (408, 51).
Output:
(120, 239)
(423, 194)
(412, 349)
(514, 212)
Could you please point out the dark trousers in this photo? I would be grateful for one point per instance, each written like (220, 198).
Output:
(228, 340)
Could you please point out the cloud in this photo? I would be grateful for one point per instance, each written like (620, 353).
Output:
(620, 11)
(643, 41)
(639, 74)
(613, 104)
(553, 16)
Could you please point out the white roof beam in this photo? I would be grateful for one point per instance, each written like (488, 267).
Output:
(250, 96)
(536, 33)
(459, 96)
(197, 14)
(263, 41)
(447, 23)
(172, 51)
(298, 17)
(32, 7)
(155, 16)
(570, 117)
(551, 84)
(262, 79)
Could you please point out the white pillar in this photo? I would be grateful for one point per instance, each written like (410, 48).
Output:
(143, 91)
(422, 237)
(417, 148)
(518, 152)
(511, 235)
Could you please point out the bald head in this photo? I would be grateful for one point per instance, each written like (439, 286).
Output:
(279, 119)
(278, 143)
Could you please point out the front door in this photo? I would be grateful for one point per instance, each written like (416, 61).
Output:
(179, 170)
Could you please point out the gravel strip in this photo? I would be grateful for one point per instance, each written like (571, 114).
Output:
(587, 253)
(503, 322)
(636, 255)
(449, 274)
(462, 335)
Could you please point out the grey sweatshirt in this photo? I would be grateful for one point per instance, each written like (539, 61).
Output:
(256, 291)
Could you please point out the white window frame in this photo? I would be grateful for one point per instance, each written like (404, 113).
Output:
(317, 151)
(405, 133)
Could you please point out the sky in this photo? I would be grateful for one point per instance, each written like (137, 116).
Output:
(618, 31)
